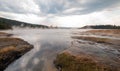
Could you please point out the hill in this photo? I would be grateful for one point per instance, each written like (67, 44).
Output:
(8, 24)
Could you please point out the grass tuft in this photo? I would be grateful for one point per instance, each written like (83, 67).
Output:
(68, 62)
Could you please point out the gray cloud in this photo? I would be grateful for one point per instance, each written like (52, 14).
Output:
(98, 5)
(45, 7)
(88, 6)
(18, 6)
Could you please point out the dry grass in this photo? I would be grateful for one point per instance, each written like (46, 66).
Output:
(7, 49)
(10, 39)
(95, 39)
(4, 34)
(11, 49)
(109, 32)
(98, 40)
(68, 62)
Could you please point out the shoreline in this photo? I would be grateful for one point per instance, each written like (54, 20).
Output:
(91, 53)
(11, 48)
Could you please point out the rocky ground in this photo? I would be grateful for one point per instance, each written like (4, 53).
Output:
(11, 48)
(93, 50)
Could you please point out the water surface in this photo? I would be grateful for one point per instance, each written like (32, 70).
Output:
(47, 43)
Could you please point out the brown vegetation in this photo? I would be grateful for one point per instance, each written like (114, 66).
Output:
(11, 49)
(4, 34)
(98, 40)
(82, 58)
(108, 32)
(67, 62)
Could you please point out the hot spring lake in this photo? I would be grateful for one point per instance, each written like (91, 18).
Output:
(47, 44)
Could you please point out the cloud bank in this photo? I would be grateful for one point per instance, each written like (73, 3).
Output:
(68, 13)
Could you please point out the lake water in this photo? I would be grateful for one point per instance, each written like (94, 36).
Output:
(47, 43)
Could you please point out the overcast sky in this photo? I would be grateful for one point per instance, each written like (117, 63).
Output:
(67, 13)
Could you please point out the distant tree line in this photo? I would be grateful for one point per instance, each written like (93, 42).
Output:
(105, 27)
(8, 24)
(102, 27)
(3, 25)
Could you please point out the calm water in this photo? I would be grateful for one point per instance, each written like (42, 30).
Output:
(47, 43)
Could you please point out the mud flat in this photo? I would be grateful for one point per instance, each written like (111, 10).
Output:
(11, 49)
(91, 51)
